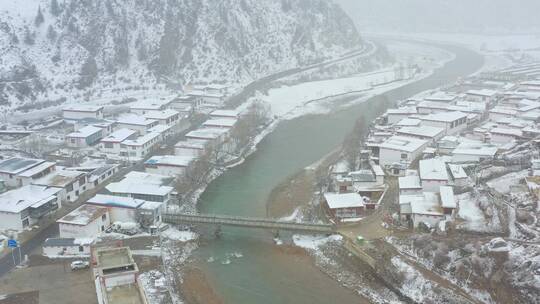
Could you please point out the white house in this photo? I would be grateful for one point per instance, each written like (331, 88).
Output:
(451, 122)
(171, 165)
(410, 185)
(483, 95)
(400, 149)
(189, 148)
(213, 99)
(17, 171)
(213, 136)
(87, 221)
(128, 209)
(146, 106)
(498, 113)
(84, 137)
(22, 207)
(67, 247)
(72, 183)
(137, 123)
(458, 175)
(428, 133)
(344, 206)
(433, 174)
(138, 148)
(395, 115)
(144, 186)
(232, 114)
(112, 143)
(442, 97)
(448, 201)
(473, 152)
(505, 135)
(76, 112)
(105, 125)
(225, 123)
(167, 117)
(424, 208)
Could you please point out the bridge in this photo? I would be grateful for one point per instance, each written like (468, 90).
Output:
(248, 222)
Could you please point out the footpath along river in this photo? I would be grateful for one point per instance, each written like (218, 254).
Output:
(267, 273)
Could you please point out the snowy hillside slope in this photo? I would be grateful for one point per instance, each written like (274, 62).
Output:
(53, 50)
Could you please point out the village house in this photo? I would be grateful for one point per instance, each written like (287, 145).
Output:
(87, 221)
(210, 99)
(84, 137)
(129, 210)
(222, 123)
(72, 183)
(425, 208)
(23, 207)
(345, 206)
(451, 122)
(135, 123)
(167, 117)
(144, 186)
(171, 165)
(67, 247)
(146, 106)
(140, 147)
(410, 185)
(430, 134)
(473, 152)
(189, 148)
(408, 122)
(184, 105)
(430, 107)
(17, 172)
(117, 276)
(95, 175)
(225, 114)
(448, 201)
(458, 175)
(483, 95)
(442, 98)
(211, 136)
(76, 112)
(505, 135)
(400, 149)
(499, 113)
(530, 85)
(395, 115)
(112, 143)
(105, 125)
(433, 174)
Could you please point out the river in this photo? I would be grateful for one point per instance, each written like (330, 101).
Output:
(266, 273)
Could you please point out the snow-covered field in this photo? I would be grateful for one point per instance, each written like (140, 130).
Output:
(478, 213)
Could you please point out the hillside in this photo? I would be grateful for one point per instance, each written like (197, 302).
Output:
(53, 50)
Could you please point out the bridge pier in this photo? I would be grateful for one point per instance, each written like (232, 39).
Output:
(218, 233)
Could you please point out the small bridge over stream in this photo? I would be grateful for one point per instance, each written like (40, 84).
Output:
(248, 222)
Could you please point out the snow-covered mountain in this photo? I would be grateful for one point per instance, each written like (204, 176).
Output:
(51, 49)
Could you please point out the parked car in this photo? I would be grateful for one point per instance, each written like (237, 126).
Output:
(77, 265)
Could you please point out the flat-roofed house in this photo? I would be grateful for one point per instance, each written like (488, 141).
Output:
(410, 185)
(171, 165)
(84, 137)
(128, 209)
(18, 171)
(72, 183)
(428, 133)
(67, 247)
(343, 206)
(433, 174)
(498, 113)
(137, 123)
(166, 117)
(482, 95)
(232, 114)
(225, 123)
(140, 147)
(76, 112)
(146, 106)
(395, 115)
(425, 208)
(505, 135)
(144, 186)
(400, 149)
(473, 152)
(212, 136)
(22, 207)
(189, 148)
(448, 201)
(112, 143)
(442, 97)
(451, 122)
(87, 221)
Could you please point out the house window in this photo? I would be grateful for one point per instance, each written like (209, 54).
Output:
(109, 145)
(102, 228)
(403, 155)
(104, 217)
(81, 248)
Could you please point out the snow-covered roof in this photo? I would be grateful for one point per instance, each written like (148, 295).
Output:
(408, 122)
(17, 200)
(84, 132)
(220, 122)
(402, 143)
(148, 205)
(115, 201)
(83, 108)
(441, 96)
(190, 144)
(447, 197)
(149, 105)
(503, 110)
(133, 119)
(424, 131)
(433, 169)
(17, 165)
(457, 171)
(224, 113)
(159, 129)
(163, 114)
(119, 135)
(507, 131)
(59, 178)
(482, 92)
(206, 133)
(148, 178)
(409, 182)
(444, 116)
(429, 205)
(141, 183)
(343, 200)
(37, 169)
(402, 111)
(475, 148)
(67, 242)
(170, 160)
(83, 215)
(141, 140)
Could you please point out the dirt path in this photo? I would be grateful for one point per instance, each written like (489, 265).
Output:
(196, 289)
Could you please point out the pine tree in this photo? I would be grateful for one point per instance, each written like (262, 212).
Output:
(55, 8)
(39, 18)
(51, 33)
(29, 37)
